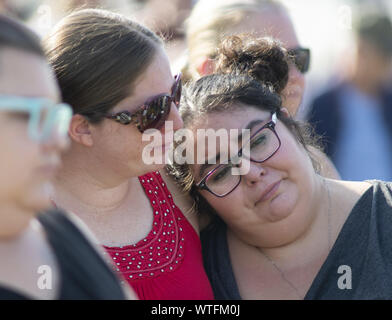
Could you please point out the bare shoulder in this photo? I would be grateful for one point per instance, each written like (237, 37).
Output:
(347, 193)
(86, 232)
(182, 199)
(82, 227)
(327, 168)
(356, 187)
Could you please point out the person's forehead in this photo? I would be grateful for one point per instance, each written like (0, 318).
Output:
(156, 79)
(26, 74)
(157, 71)
(236, 117)
(272, 23)
(216, 127)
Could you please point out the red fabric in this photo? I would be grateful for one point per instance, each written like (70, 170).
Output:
(167, 264)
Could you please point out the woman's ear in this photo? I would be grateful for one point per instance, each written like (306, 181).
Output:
(286, 112)
(79, 130)
(206, 67)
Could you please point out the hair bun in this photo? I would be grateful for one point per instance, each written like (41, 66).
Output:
(264, 59)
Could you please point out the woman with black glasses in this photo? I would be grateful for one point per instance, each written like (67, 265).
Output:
(212, 21)
(280, 230)
(39, 254)
(116, 75)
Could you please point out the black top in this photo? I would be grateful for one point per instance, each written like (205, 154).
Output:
(364, 246)
(83, 272)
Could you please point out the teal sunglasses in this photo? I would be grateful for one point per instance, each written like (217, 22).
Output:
(45, 117)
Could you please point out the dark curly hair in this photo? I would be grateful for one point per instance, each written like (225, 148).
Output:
(264, 59)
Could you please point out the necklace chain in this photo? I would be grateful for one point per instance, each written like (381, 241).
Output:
(282, 275)
(329, 246)
(329, 216)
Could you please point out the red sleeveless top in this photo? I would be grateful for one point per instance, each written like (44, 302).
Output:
(167, 264)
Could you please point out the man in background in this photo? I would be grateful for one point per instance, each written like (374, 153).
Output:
(355, 117)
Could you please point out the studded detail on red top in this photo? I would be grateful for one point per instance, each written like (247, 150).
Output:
(167, 264)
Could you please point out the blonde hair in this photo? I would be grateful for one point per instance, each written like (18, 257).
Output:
(210, 21)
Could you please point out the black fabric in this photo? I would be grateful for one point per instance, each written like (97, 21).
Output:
(83, 272)
(364, 244)
(7, 294)
(217, 262)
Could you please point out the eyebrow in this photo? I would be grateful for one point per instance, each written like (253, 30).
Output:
(206, 165)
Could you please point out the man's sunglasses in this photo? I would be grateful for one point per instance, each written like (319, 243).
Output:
(301, 58)
(154, 112)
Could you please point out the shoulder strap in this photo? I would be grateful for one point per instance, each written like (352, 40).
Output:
(85, 275)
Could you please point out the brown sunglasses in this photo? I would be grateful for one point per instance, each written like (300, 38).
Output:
(154, 112)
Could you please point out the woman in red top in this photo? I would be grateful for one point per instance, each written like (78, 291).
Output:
(116, 76)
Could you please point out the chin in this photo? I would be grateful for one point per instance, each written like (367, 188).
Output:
(154, 161)
(38, 204)
(144, 169)
(39, 198)
(282, 207)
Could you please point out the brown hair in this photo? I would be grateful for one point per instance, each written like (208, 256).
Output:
(97, 55)
(15, 35)
(264, 59)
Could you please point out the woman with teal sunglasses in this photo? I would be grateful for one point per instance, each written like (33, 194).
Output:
(39, 254)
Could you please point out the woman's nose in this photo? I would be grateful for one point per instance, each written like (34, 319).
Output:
(175, 118)
(253, 172)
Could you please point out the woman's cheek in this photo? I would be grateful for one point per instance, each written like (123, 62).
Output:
(227, 207)
(284, 204)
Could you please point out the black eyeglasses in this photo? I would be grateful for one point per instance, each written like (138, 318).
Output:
(262, 145)
(301, 58)
(154, 112)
